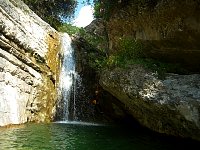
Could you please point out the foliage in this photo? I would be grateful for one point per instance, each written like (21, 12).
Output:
(130, 48)
(96, 55)
(68, 28)
(53, 11)
(97, 60)
(103, 8)
(131, 52)
(92, 39)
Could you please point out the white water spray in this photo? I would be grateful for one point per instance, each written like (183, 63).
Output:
(68, 78)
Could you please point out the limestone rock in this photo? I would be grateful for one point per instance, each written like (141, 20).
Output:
(28, 74)
(170, 105)
(169, 29)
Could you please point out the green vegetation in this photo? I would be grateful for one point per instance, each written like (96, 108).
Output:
(92, 39)
(103, 8)
(53, 11)
(97, 61)
(131, 52)
(97, 55)
(68, 28)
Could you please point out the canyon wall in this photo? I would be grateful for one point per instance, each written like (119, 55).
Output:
(29, 65)
(169, 29)
(169, 32)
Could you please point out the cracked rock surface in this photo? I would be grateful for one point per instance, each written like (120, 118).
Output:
(27, 70)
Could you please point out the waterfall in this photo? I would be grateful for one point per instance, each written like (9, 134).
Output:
(74, 97)
(68, 82)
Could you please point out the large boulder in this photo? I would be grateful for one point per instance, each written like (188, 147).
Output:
(29, 65)
(170, 105)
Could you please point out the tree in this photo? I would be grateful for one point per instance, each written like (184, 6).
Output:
(53, 11)
(104, 8)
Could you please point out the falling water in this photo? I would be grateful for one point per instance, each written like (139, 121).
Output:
(68, 82)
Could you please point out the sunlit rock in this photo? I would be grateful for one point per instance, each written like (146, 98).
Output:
(29, 65)
(170, 105)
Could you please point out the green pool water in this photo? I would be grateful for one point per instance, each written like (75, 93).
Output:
(86, 136)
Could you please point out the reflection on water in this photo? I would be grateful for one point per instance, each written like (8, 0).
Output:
(76, 136)
(79, 123)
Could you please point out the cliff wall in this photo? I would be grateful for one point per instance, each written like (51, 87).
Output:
(169, 29)
(169, 32)
(29, 65)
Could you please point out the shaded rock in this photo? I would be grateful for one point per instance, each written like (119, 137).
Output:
(169, 29)
(170, 106)
(89, 79)
(90, 46)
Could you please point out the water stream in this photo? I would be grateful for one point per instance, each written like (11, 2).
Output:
(69, 80)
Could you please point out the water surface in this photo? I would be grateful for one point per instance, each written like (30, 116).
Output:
(86, 136)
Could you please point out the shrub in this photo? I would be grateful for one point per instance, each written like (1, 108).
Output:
(129, 50)
(68, 28)
(132, 52)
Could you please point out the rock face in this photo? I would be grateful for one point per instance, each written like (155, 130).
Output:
(89, 80)
(169, 32)
(29, 65)
(170, 29)
(170, 106)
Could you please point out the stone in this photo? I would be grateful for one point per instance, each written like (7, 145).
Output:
(27, 46)
(168, 29)
(170, 105)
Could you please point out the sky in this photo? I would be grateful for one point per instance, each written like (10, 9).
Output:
(83, 14)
